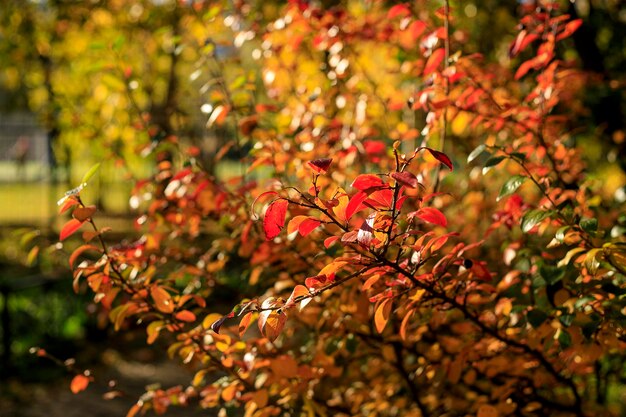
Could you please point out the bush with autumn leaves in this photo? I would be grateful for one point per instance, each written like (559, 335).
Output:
(413, 232)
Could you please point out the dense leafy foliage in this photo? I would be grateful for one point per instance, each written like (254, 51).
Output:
(414, 230)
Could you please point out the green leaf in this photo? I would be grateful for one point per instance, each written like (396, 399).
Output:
(476, 152)
(551, 274)
(510, 186)
(492, 162)
(533, 218)
(90, 173)
(535, 317)
(518, 155)
(567, 319)
(560, 234)
(565, 340)
(118, 42)
(589, 225)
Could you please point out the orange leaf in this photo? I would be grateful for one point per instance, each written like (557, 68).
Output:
(70, 228)
(229, 393)
(370, 281)
(274, 220)
(398, 10)
(185, 315)
(524, 68)
(245, 323)
(272, 323)
(433, 61)
(299, 293)
(341, 208)
(381, 317)
(162, 300)
(570, 28)
(405, 324)
(79, 383)
(294, 223)
(83, 213)
(134, 410)
(78, 251)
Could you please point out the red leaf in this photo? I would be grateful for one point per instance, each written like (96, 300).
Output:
(432, 215)
(79, 383)
(274, 220)
(315, 282)
(308, 225)
(522, 40)
(355, 205)
(416, 29)
(440, 156)
(70, 228)
(330, 240)
(405, 178)
(398, 10)
(374, 147)
(320, 165)
(69, 202)
(570, 28)
(367, 181)
(433, 61)
(524, 68)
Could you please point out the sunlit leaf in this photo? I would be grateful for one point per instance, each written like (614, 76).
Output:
(70, 228)
(90, 173)
(274, 219)
(79, 383)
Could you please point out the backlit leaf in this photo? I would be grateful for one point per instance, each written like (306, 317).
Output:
(433, 62)
(476, 152)
(320, 165)
(70, 228)
(366, 181)
(274, 220)
(162, 299)
(308, 225)
(440, 156)
(381, 317)
(245, 323)
(80, 250)
(79, 383)
(432, 215)
(186, 316)
(90, 173)
(533, 218)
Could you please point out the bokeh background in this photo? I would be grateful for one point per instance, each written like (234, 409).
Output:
(73, 77)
